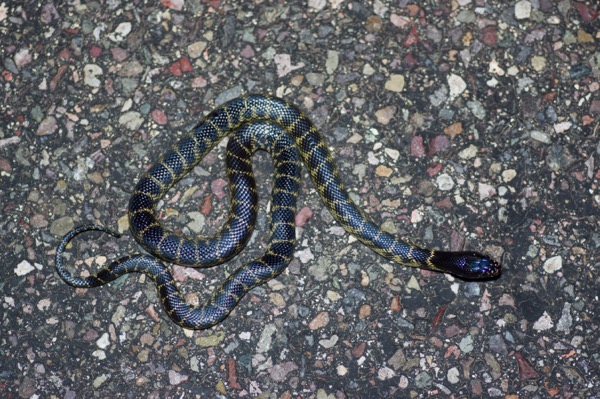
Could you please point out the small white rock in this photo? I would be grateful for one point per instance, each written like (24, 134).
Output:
(385, 373)
(394, 154)
(453, 375)
(457, 85)
(103, 342)
(90, 75)
(486, 191)
(342, 370)
(131, 120)
(395, 83)
(543, 323)
(538, 63)
(121, 32)
(24, 268)
(562, 126)
(553, 264)
(540, 136)
(522, 9)
(469, 152)
(508, 175)
(416, 216)
(445, 182)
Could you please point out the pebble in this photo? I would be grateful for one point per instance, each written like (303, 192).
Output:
(90, 75)
(497, 344)
(562, 126)
(508, 175)
(176, 5)
(540, 136)
(457, 85)
(543, 323)
(23, 268)
(417, 146)
(159, 116)
(466, 344)
(103, 342)
(279, 372)
(47, 126)
(454, 130)
(196, 49)
(553, 264)
(395, 83)
(453, 375)
(394, 154)
(176, 378)
(284, 64)
(523, 9)
(319, 321)
(98, 381)
(486, 191)
(477, 109)
(383, 171)
(385, 373)
(538, 63)
(132, 120)
(317, 5)
(445, 182)
(266, 338)
(565, 322)
(385, 115)
(27, 388)
(332, 62)
(329, 342)
(62, 226)
(210, 340)
(469, 153)
(121, 32)
(364, 311)
(423, 380)
(22, 57)
(197, 221)
(303, 216)
(471, 290)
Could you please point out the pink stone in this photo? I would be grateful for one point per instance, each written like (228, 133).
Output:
(119, 54)
(217, 187)
(417, 148)
(247, 52)
(438, 144)
(490, 36)
(159, 117)
(303, 216)
(587, 14)
(95, 50)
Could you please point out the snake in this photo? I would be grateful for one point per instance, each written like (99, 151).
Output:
(253, 123)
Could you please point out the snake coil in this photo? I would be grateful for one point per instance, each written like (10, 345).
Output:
(257, 123)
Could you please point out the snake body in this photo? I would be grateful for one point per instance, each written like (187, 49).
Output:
(259, 123)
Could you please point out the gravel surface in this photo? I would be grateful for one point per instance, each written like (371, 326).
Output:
(456, 124)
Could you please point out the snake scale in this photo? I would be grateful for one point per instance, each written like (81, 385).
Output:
(257, 123)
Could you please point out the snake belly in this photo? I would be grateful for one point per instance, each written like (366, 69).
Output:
(271, 124)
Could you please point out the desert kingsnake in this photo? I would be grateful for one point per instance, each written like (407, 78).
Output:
(259, 122)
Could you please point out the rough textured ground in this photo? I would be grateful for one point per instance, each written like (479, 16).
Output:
(457, 124)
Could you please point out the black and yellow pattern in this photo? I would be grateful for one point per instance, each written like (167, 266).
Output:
(274, 125)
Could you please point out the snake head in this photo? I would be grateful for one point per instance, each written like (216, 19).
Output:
(466, 265)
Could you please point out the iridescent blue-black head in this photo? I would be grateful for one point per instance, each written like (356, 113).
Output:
(467, 265)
